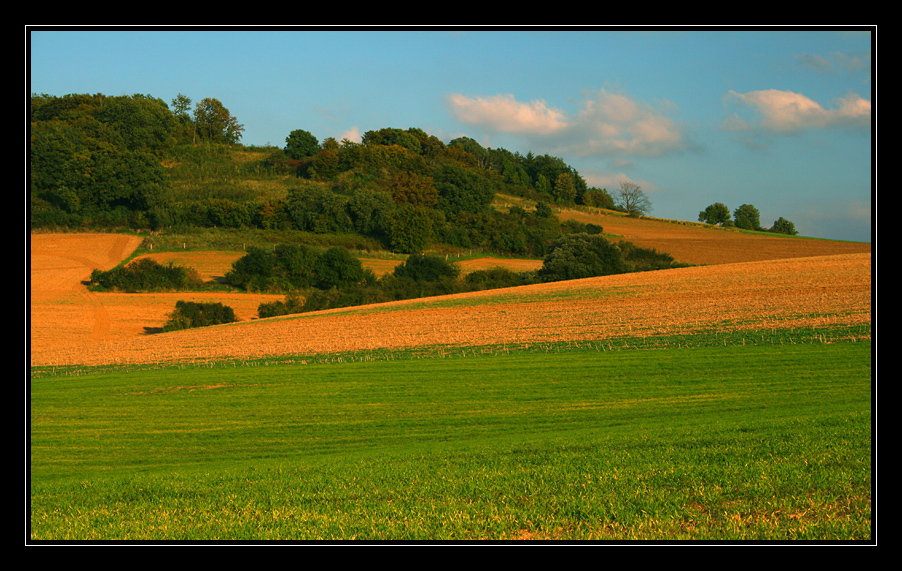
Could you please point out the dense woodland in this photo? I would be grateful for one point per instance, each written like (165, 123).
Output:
(137, 162)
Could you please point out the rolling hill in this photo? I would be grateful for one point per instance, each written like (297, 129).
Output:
(754, 281)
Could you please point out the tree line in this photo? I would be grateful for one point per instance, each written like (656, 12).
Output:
(746, 217)
(332, 279)
(107, 161)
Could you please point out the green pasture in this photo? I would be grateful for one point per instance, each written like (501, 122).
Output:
(756, 442)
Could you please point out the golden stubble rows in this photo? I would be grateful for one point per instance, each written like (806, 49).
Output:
(814, 291)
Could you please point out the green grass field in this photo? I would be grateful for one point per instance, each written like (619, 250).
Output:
(763, 442)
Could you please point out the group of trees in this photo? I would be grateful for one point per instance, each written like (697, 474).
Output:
(296, 267)
(572, 256)
(99, 159)
(746, 217)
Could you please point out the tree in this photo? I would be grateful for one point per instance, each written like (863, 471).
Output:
(411, 188)
(300, 144)
(369, 211)
(143, 123)
(180, 106)
(296, 264)
(564, 189)
(391, 136)
(575, 256)
(338, 268)
(313, 208)
(324, 165)
(462, 190)
(599, 198)
(213, 122)
(717, 213)
(631, 199)
(747, 217)
(410, 229)
(784, 226)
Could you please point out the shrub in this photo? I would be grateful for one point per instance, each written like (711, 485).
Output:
(292, 304)
(543, 210)
(495, 278)
(338, 268)
(644, 259)
(420, 267)
(188, 314)
(146, 274)
(575, 256)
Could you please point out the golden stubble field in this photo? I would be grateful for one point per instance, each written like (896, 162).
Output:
(702, 244)
(70, 325)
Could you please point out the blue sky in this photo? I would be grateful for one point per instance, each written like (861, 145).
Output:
(780, 119)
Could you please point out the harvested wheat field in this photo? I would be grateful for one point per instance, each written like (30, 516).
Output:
(813, 291)
(702, 244)
(64, 315)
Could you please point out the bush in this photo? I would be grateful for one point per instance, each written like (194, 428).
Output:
(425, 268)
(644, 259)
(292, 304)
(598, 198)
(146, 274)
(576, 256)
(495, 278)
(188, 314)
(338, 268)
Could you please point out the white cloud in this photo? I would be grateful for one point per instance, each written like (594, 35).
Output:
(789, 112)
(607, 124)
(502, 113)
(352, 134)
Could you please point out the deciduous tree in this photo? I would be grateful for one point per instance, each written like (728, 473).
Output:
(300, 144)
(747, 217)
(213, 122)
(632, 199)
(575, 256)
(717, 213)
(784, 226)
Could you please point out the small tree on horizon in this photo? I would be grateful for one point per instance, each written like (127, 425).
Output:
(747, 217)
(784, 226)
(717, 213)
(631, 199)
